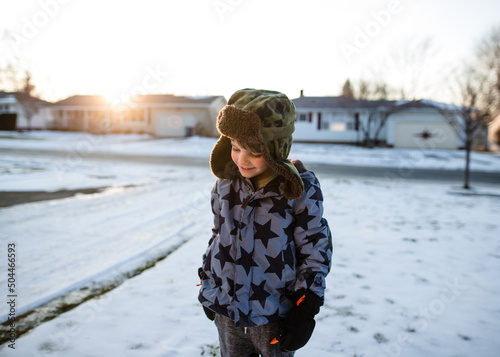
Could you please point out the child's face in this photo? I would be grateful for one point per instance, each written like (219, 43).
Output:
(249, 163)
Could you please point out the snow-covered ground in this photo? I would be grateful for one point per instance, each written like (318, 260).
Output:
(77, 145)
(414, 270)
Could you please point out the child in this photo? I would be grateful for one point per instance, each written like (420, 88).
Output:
(263, 274)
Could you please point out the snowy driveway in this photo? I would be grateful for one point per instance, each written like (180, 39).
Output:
(414, 269)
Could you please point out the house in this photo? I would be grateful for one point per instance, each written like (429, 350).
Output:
(20, 111)
(494, 134)
(402, 124)
(162, 115)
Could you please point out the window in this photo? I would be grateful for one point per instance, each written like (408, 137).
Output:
(5, 108)
(337, 126)
(352, 122)
(96, 114)
(335, 121)
(302, 117)
(130, 116)
(75, 114)
(134, 116)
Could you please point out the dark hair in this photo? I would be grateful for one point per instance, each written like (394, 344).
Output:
(251, 145)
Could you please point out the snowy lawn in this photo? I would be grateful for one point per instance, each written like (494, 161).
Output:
(414, 274)
(414, 271)
(76, 145)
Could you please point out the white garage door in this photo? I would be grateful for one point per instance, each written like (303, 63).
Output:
(173, 124)
(424, 135)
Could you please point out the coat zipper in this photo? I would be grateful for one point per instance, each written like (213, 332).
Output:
(243, 206)
(245, 201)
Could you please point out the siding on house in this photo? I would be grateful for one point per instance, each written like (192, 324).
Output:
(415, 124)
(19, 111)
(159, 115)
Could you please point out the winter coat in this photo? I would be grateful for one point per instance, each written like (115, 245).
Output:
(264, 248)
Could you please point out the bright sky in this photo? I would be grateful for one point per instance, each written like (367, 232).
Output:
(215, 47)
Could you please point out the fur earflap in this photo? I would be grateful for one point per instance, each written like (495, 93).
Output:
(258, 119)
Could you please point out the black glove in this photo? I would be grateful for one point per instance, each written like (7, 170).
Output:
(210, 314)
(299, 324)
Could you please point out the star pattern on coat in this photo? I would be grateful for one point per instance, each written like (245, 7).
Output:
(223, 255)
(246, 260)
(276, 265)
(272, 187)
(289, 232)
(254, 203)
(233, 197)
(222, 220)
(288, 256)
(259, 293)
(237, 225)
(280, 205)
(218, 281)
(245, 318)
(264, 232)
(301, 256)
(326, 258)
(315, 238)
(274, 317)
(233, 288)
(208, 263)
(283, 292)
(293, 239)
(217, 305)
(310, 275)
(303, 219)
(317, 195)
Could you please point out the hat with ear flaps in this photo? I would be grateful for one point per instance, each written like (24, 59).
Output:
(258, 119)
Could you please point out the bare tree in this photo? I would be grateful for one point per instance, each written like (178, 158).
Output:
(376, 120)
(9, 78)
(30, 104)
(380, 91)
(379, 113)
(364, 90)
(471, 114)
(488, 59)
(478, 87)
(18, 82)
(403, 72)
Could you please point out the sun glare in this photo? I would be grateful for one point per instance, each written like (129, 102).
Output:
(118, 99)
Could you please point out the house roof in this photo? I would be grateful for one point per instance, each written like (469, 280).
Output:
(83, 100)
(337, 102)
(23, 97)
(169, 98)
(99, 100)
(351, 103)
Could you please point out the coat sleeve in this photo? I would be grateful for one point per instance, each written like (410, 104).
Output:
(313, 241)
(215, 203)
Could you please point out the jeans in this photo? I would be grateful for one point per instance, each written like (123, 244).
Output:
(247, 342)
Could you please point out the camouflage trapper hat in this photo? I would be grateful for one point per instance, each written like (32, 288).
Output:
(262, 120)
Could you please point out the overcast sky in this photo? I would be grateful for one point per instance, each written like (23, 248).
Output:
(215, 47)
